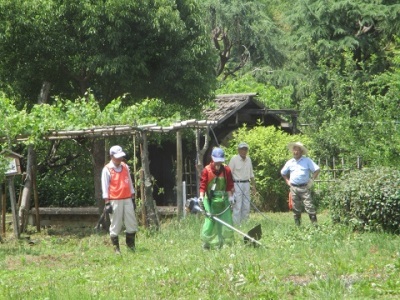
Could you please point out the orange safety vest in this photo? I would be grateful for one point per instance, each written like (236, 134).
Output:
(119, 183)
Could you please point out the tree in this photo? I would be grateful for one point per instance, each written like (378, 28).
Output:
(148, 49)
(337, 50)
(243, 35)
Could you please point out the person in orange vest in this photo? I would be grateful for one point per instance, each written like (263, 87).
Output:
(119, 196)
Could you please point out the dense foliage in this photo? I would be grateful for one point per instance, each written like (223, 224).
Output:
(268, 152)
(147, 49)
(368, 199)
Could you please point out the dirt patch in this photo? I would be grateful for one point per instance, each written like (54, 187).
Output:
(47, 261)
(301, 280)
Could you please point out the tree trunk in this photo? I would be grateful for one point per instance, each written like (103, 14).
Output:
(98, 162)
(149, 203)
(201, 151)
(27, 190)
(44, 92)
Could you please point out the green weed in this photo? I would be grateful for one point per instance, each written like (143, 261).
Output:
(325, 262)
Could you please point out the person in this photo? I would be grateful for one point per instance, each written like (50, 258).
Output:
(216, 198)
(243, 176)
(299, 174)
(119, 196)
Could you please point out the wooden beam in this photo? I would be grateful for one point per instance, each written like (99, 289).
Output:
(265, 111)
(179, 176)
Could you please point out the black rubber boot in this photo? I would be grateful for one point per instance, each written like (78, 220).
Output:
(115, 242)
(297, 220)
(313, 219)
(130, 241)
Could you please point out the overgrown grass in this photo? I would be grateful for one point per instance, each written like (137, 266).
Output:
(328, 262)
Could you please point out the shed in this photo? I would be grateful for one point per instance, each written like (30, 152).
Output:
(231, 111)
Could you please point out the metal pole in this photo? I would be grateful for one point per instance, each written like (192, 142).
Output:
(233, 228)
(184, 198)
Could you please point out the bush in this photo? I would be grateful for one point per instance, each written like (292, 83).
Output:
(269, 153)
(69, 191)
(368, 199)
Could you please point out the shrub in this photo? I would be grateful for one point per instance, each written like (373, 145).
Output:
(68, 192)
(368, 199)
(268, 152)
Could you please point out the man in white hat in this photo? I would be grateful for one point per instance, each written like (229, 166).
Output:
(243, 176)
(299, 174)
(119, 194)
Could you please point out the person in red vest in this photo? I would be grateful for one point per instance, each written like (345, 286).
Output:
(119, 195)
(216, 188)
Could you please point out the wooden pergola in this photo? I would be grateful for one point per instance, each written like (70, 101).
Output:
(230, 112)
(149, 210)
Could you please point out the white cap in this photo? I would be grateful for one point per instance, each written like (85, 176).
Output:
(117, 152)
(243, 145)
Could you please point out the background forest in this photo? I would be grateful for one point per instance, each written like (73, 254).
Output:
(81, 63)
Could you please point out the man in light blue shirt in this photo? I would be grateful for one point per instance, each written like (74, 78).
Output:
(299, 174)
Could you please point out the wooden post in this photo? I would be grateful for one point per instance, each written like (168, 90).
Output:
(179, 189)
(27, 190)
(36, 198)
(20, 190)
(3, 207)
(13, 201)
(144, 215)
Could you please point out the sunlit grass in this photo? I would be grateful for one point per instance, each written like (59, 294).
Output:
(328, 262)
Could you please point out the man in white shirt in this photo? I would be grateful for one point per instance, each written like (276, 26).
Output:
(243, 177)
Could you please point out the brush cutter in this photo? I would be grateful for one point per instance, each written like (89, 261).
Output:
(108, 209)
(101, 220)
(252, 236)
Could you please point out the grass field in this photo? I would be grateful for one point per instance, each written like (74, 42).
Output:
(328, 262)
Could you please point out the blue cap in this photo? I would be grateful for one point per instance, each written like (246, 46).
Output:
(218, 155)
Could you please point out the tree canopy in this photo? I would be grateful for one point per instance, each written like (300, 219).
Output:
(155, 49)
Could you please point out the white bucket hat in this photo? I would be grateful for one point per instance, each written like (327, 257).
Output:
(298, 144)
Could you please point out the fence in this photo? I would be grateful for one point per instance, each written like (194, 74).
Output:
(332, 169)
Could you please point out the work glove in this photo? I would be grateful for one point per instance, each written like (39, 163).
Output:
(108, 208)
(232, 200)
(201, 203)
(310, 183)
